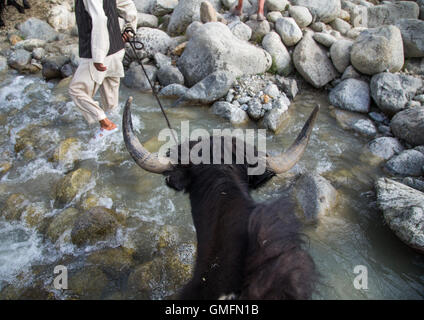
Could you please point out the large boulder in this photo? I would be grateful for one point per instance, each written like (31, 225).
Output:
(377, 50)
(185, 13)
(351, 95)
(34, 28)
(154, 40)
(389, 13)
(412, 31)
(408, 125)
(403, 211)
(312, 62)
(214, 47)
(281, 60)
(324, 10)
(340, 54)
(391, 92)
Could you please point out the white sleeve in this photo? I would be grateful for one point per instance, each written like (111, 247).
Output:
(99, 32)
(128, 12)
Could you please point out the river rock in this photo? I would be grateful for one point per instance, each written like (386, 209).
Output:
(207, 12)
(389, 13)
(144, 6)
(173, 91)
(214, 47)
(211, 88)
(315, 196)
(259, 29)
(281, 60)
(384, 148)
(416, 183)
(351, 73)
(408, 125)
(39, 53)
(30, 44)
(14, 207)
(62, 222)
(288, 86)
(340, 54)
(351, 95)
(240, 30)
(403, 211)
(276, 5)
(415, 65)
(301, 15)
(154, 40)
(34, 28)
(421, 5)
(273, 16)
(312, 62)
(275, 119)
(288, 30)
(61, 18)
(147, 20)
(94, 225)
(168, 75)
(135, 77)
(163, 7)
(324, 10)
(52, 66)
(407, 163)
(70, 185)
(19, 59)
(391, 92)
(254, 109)
(340, 25)
(355, 122)
(112, 261)
(230, 112)
(412, 31)
(377, 50)
(88, 283)
(325, 39)
(67, 153)
(185, 13)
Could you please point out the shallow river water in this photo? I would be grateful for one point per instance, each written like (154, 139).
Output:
(352, 234)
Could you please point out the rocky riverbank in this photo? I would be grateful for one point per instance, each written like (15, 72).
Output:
(368, 56)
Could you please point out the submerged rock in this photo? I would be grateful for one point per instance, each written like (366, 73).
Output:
(356, 122)
(73, 183)
(62, 222)
(88, 283)
(315, 196)
(229, 111)
(14, 207)
(403, 211)
(67, 153)
(95, 225)
(112, 261)
(384, 148)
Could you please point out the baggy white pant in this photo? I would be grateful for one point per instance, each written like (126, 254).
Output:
(83, 88)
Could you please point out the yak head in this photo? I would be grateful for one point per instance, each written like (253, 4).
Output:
(180, 175)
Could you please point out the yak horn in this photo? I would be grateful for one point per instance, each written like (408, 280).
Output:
(146, 160)
(288, 159)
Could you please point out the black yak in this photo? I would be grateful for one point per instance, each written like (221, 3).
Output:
(20, 8)
(245, 250)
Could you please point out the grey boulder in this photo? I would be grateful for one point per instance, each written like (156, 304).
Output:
(412, 31)
(351, 95)
(408, 125)
(408, 163)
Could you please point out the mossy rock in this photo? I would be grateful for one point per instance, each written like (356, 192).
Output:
(5, 167)
(88, 283)
(112, 261)
(168, 237)
(35, 214)
(143, 241)
(15, 206)
(68, 187)
(94, 225)
(62, 222)
(146, 279)
(33, 292)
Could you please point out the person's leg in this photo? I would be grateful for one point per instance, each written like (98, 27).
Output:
(261, 15)
(82, 90)
(238, 10)
(109, 93)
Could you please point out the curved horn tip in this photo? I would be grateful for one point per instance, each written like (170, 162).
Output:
(130, 99)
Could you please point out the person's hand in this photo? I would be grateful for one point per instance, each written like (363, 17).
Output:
(100, 67)
(126, 37)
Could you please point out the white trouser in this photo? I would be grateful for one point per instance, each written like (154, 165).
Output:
(83, 88)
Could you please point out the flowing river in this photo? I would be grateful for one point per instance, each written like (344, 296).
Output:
(353, 234)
